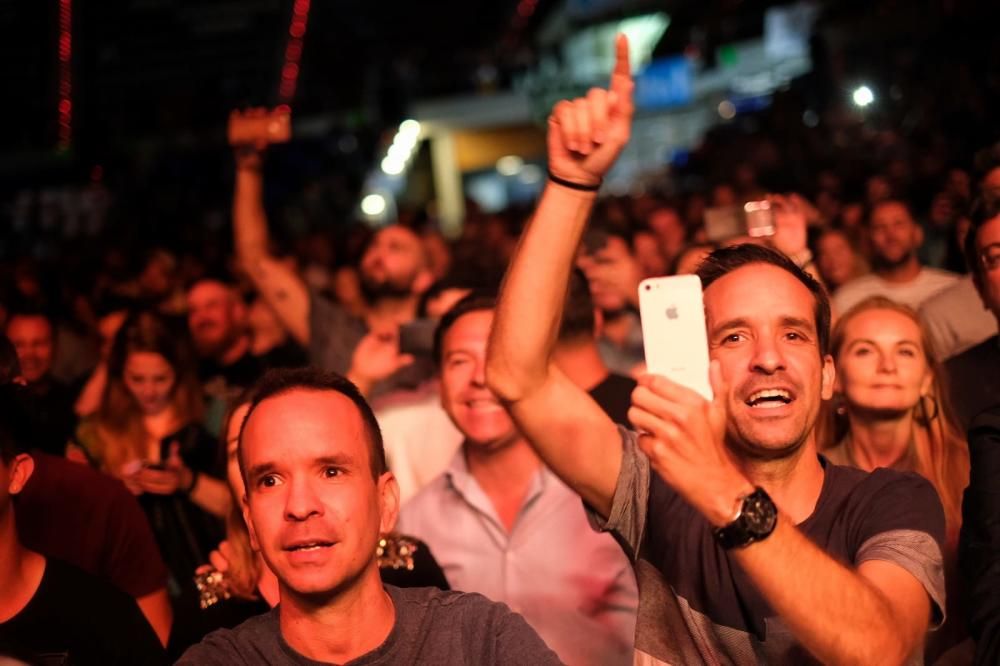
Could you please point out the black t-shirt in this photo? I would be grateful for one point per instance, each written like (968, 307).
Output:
(49, 406)
(614, 395)
(232, 377)
(75, 618)
(432, 627)
(695, 601)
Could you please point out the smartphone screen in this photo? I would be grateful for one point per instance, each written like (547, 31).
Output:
(673, 330)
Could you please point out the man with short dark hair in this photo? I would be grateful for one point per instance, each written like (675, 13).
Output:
(318, 497)
(748, 546)
(896, 271)
(50, 610)
(501, 524)
(974, 375)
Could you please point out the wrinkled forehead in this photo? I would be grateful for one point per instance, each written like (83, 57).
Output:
(758, 293)
(302, 425)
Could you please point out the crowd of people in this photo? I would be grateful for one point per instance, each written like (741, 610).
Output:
(451, 452)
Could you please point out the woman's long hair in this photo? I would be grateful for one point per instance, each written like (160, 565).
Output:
(940, 450)
(244, 565)
(119, 418)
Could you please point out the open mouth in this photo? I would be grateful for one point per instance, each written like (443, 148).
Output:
(309, 546)
(769, 398)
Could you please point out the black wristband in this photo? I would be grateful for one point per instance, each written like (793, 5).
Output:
(573, 186)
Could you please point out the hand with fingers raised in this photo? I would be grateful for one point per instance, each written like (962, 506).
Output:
(587, 134)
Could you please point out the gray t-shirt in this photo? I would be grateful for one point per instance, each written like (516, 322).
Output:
(696, 606)
(432, 627)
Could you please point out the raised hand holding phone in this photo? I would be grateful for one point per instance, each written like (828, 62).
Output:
(673, 331)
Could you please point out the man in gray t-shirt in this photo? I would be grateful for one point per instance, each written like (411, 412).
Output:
(318, 498)
(431, 627)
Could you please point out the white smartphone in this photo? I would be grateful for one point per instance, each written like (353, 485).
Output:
(673, 330)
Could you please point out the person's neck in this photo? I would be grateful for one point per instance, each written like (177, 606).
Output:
(616, 327)
(162, 423)
(905, 272)
(353, 624)
(389, 312)
(235, 351)
(505, 474)
(878, 442)
(21, 571)
(794, 483)
(580, 361)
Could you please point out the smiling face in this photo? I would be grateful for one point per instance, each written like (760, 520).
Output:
(150, 379)
(474, 409)
(762, 330)
(882, 365)
(32, 338)
(314, 509)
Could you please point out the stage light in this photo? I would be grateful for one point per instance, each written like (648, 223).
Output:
(392, 166)
(373, 204)
(509, 165)
(409, 127)
(727, 110)
(863, 96)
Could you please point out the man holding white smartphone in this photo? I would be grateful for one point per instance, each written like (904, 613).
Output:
(748, 546)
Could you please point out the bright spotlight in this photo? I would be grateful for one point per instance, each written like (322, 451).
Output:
(509, 165)
(391, 166)
(863, 96)
(373, 204)
(398, 153)
(410, 127)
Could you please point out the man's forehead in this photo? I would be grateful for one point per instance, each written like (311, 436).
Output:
(398, 234)
(314, 421)
(471, 329)
(758, 291)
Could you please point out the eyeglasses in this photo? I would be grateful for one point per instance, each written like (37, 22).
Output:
(990, 256)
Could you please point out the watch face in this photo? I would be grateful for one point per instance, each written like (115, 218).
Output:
(759, 513)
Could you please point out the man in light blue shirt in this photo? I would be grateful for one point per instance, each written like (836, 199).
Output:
(501, 524)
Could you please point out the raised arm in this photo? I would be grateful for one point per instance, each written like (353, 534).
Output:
(570, 432)
(280, 286)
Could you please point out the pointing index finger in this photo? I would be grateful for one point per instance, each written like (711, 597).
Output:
(622, 74)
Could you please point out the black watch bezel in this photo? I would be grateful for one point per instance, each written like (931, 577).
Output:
(756, 520)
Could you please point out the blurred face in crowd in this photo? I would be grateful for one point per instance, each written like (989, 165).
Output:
(988, 245)
(882, 364)
(647, 253)
(314, 509)
(990, 184)
(394, 265)
(32, 338)
(762, 330)
(895, 236)
(835, 258)
(150, 379)
(669, 228)
(474, 409)
(216, 317)
(617, 256)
